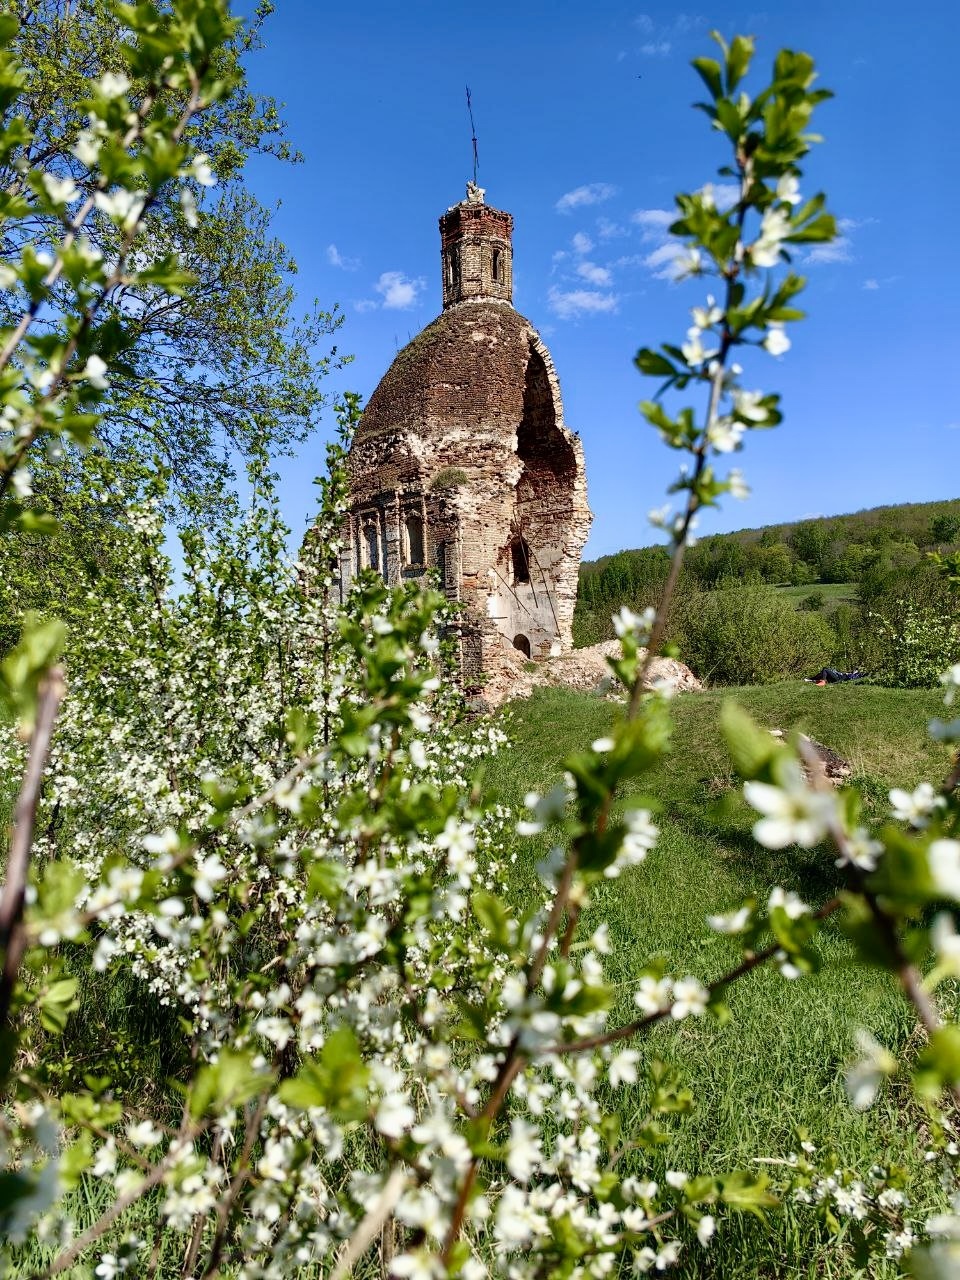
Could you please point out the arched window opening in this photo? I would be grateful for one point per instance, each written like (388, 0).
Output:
(370, 546)
(522, 643)
(413, 537)
(497, 265)
(520, 560)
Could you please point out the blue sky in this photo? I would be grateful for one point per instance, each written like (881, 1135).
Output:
(585, 134)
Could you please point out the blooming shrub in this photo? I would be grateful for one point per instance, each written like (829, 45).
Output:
(915, 643)
(263, 814)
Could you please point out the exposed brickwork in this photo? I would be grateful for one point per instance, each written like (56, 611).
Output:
(466, 430)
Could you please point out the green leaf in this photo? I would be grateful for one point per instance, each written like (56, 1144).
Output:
(747, 1193)
(938, 1066)
(336, 1079)
(24, 667)
(710, 73)
(325, 880)
(495, 919)
(738, 60)
(57, 1003)
(654, 364)
(227, 1083)
(751, 748)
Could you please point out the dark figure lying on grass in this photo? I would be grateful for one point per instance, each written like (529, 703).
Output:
(829, 675)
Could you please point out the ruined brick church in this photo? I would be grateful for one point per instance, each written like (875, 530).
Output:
(462, 462)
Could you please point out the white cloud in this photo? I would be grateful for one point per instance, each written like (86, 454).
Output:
(366, 304)
(569, 304)
(607, 230)
(399, 293)
(663, 263)
(653, 222)
(336, 259)
(595, 274)
(581, 243)
(841, 249)
(661, 36)
(851, 224)
(953, 426)
(838, 250)
(871, 284)
(725, 194)
(591, 193)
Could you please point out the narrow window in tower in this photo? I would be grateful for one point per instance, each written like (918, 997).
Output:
(497, 266)
(371, 547)
(520, 560)
(455, 268)
(413, 529)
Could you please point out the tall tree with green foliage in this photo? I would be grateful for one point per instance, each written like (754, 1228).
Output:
(225, 366)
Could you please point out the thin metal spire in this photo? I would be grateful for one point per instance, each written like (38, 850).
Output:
(473, 128)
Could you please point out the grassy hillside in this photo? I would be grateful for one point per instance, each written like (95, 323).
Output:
(778, 1065)
(842, 572)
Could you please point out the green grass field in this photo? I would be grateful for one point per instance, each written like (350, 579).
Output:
(833, 593)
(778, 1064)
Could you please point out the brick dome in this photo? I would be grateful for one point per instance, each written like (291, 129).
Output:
(462, 462)
(469, 368)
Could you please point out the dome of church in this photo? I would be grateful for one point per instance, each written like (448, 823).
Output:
(461, 462)
(470, 365)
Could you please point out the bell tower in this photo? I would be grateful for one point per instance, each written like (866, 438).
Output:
(477, 251)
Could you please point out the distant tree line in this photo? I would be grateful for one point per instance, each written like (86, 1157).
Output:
(881, 554)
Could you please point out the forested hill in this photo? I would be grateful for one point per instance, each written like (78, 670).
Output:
(835, 584)
(821, 549)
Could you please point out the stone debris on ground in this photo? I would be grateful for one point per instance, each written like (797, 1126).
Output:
(586, 670)
(835, 769)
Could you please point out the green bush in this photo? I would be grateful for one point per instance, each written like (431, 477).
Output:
(916, 643)
(751, 635)
(812, 603)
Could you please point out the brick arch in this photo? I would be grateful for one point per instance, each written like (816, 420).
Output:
(549, 461)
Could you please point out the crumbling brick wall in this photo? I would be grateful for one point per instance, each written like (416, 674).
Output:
(466, 428)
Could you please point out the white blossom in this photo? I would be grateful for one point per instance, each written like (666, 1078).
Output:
(864, 1078)
(144, 1134)
(652, 994)
(725, 434)
(915, 807)
(776, 341)
(793, 813)
(623, 1067)
(860, 850)
(733, 922)
(705, 1229)
(113, 85)
(61, 190)
(201, 171)
(628, 623)
(943, 858)
(690, 997)
(774, 227)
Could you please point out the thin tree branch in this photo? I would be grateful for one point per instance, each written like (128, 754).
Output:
(12, 933)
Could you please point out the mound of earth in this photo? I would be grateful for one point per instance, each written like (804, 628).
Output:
(582, 669)
(833, 766)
